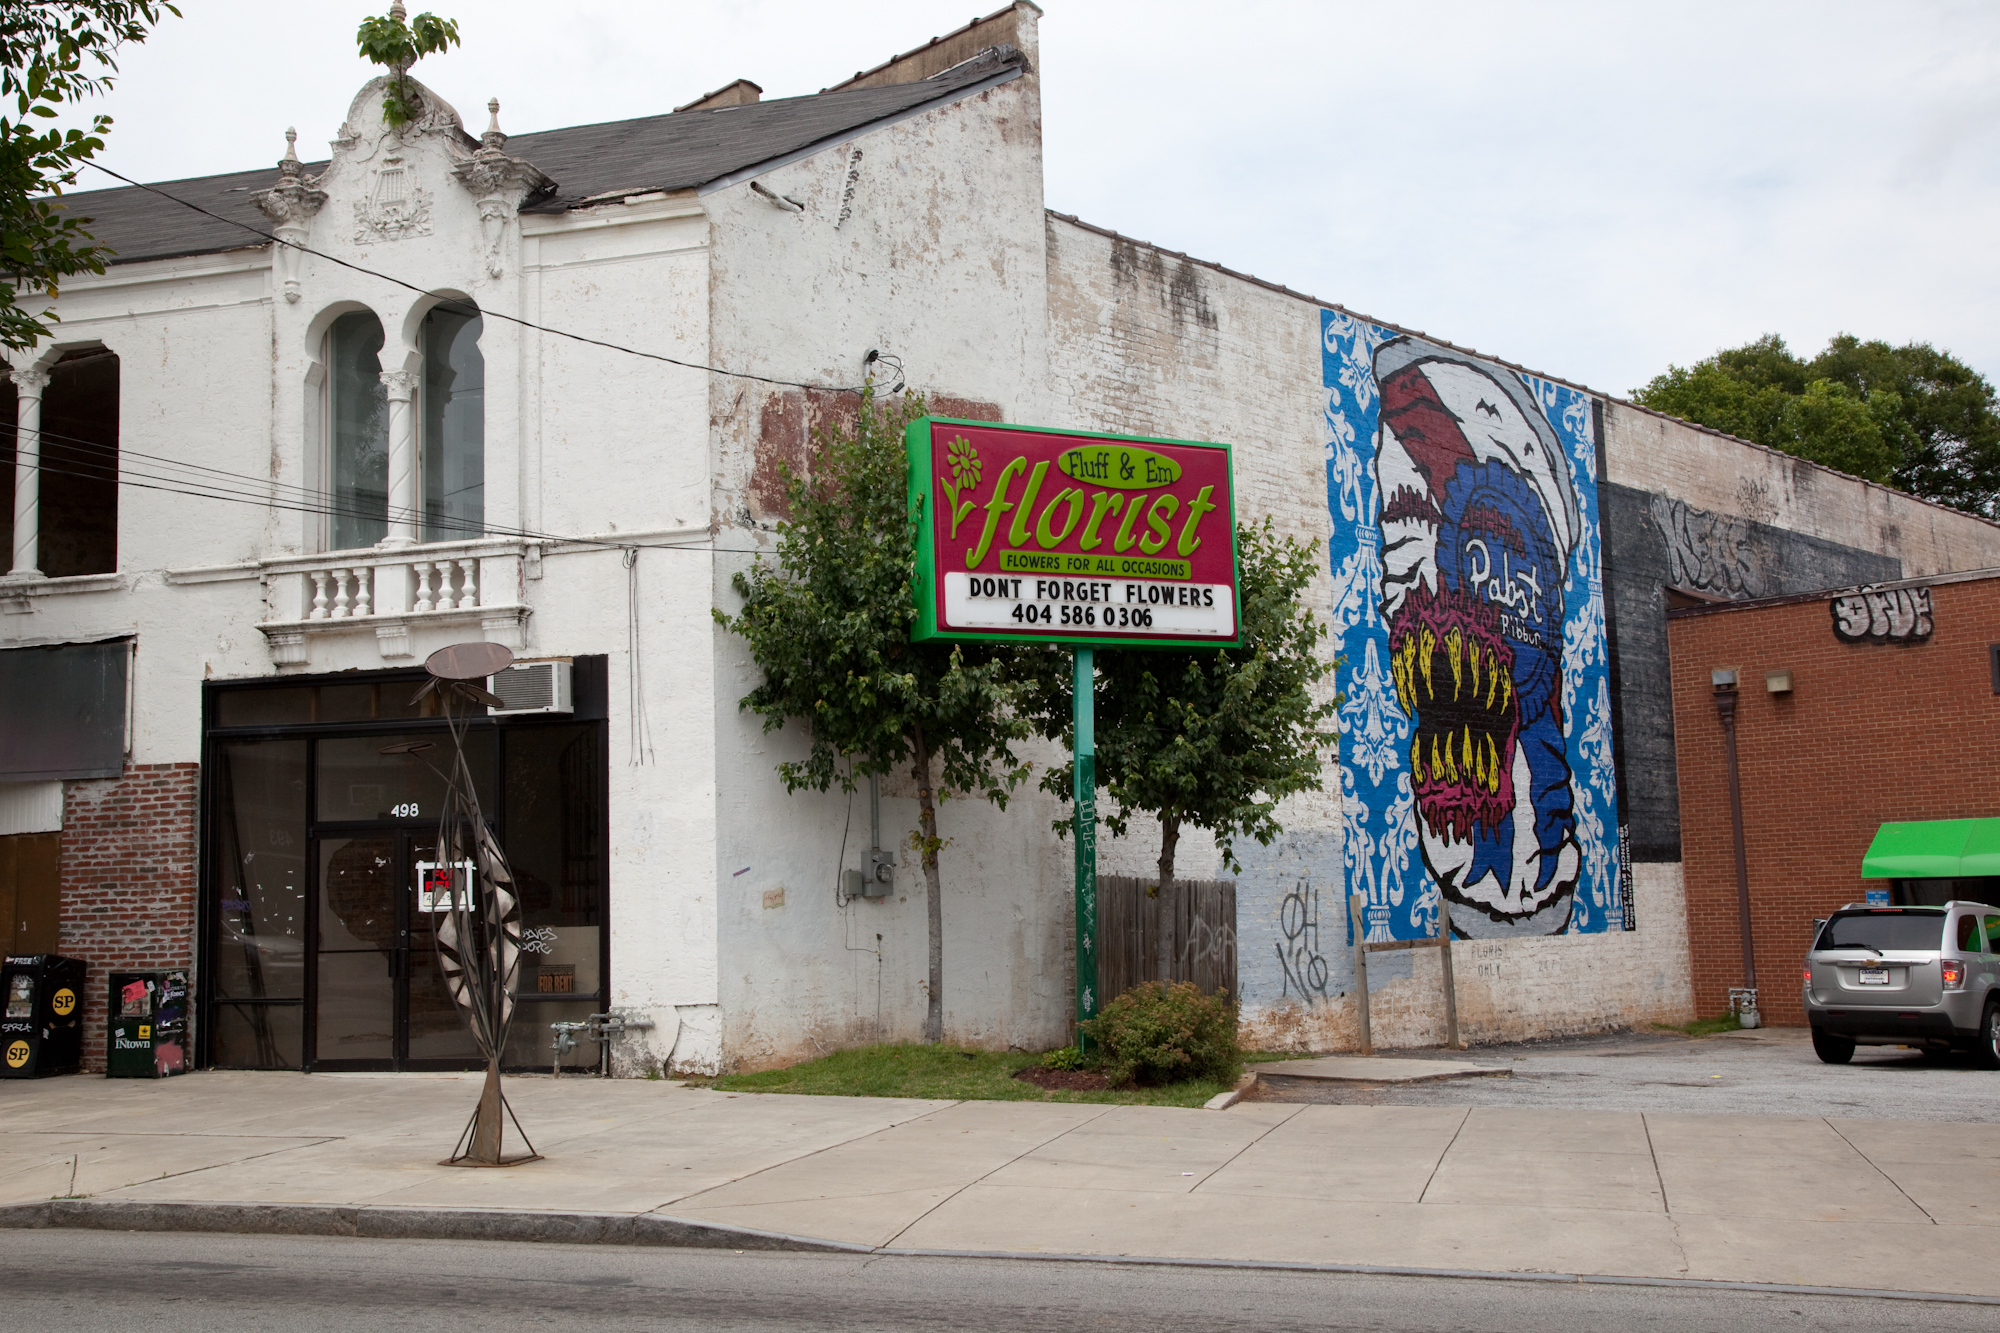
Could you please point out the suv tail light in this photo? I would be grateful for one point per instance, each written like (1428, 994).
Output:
(1954, 974)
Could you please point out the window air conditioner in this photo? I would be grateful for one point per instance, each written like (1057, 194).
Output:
(532, 687)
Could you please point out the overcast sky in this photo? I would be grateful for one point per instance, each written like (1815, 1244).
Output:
(1594, 190)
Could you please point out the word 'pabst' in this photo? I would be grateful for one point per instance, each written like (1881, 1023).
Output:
(1028, 533)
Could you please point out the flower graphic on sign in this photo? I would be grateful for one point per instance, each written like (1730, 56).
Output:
(965, 468)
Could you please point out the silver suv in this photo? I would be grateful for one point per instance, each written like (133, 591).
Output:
(1927, 977)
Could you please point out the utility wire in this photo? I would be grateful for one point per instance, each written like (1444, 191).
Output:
(306, 501)
(455, 304)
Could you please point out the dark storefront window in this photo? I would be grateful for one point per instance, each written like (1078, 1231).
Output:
(257, 968)
(320, 952)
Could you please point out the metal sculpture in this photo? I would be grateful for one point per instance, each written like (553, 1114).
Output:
(479, 935)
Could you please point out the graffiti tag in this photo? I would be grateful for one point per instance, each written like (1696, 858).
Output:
(1898, 615)
(1298, 953)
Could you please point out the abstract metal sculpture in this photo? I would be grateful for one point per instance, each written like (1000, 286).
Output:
(479, 935)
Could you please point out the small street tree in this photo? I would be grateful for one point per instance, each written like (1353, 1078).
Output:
(51, 53)
(1211, 739)
(829, 626)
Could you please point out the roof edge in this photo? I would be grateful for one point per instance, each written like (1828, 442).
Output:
(1585, 389)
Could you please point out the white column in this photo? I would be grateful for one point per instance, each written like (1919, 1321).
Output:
(402, 459)
(28, 473)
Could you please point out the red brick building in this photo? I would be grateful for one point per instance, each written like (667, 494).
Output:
(1891, 712)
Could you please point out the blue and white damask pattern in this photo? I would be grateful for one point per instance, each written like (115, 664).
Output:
(1468, 604)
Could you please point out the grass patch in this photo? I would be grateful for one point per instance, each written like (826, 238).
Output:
(1266, 1057)
(1703, 1027)
(947, 1072)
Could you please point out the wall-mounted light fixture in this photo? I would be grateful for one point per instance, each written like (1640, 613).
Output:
(1778, 682)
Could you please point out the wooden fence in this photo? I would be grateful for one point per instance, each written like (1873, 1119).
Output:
(1200, 934)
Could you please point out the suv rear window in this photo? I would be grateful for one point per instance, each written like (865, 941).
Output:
(1884, 930)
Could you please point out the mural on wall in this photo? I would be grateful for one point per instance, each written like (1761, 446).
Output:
(1476, 755)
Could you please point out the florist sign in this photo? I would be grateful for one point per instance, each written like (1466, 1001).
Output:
(1092, 539)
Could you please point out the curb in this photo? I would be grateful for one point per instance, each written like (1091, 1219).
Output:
(1222, 1101)
(654, 1229)
(660, 1231)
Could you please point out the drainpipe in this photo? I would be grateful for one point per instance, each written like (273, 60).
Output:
(1724, 683)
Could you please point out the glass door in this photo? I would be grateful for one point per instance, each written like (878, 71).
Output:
(379, 995)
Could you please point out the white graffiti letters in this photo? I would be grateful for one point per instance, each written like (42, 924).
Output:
(1897, 615)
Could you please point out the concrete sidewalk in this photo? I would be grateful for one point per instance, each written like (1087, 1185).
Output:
(1868, 1204)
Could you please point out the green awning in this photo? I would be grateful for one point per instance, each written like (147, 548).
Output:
(1934, 849)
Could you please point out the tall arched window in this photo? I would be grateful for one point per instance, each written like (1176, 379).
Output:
(358, 431)
(453, 403)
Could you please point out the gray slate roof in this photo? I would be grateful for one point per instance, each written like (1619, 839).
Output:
(679, 151)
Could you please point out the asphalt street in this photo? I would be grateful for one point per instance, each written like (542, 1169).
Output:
(1769, 1072)
(98, 1282)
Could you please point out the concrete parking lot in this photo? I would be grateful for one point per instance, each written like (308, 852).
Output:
(1771, 1071)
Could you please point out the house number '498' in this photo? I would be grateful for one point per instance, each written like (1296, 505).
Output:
(407, 810)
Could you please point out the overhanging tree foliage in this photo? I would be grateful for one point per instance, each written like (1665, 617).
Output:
(829, 626)
(1912, 417)
(52, 52)
(1208, 739)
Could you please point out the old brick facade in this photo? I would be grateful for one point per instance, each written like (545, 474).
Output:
(128, 879)
(1871, 732)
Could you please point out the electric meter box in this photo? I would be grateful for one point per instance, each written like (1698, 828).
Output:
(149, 1028)
(41, 1015)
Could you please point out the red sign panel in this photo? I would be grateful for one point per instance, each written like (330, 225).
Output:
(1086, 538)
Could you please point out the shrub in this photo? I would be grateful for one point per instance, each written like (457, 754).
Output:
(1163, 1032)
(1065, 1058)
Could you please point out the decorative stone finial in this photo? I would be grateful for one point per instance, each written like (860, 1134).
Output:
(494, 138)
(288, 165)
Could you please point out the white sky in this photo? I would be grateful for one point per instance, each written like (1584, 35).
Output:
(1594, 190)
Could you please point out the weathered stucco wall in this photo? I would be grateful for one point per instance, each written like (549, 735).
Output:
(924, 240)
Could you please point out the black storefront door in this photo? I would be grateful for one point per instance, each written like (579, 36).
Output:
(379, 995)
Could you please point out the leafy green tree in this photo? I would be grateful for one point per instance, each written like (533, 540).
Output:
(396, 45)
(829, 626)
(1911, 417)
(51, 53)
(1209, 739)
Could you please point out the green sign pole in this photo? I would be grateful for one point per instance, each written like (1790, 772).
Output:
(1083, 719)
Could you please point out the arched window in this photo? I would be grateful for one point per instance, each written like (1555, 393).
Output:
(453, 403)
(358, 432)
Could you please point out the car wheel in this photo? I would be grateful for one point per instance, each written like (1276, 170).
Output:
(1834, 1050)
(1987, 1052)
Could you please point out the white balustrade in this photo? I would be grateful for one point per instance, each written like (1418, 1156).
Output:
(382, 586)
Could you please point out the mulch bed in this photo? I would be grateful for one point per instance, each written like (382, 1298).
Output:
(1063, 1080)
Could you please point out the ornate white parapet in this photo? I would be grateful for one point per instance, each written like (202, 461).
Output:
(393, 593)
(499, 183)
(290, 204)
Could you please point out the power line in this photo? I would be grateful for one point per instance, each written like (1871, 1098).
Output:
(472, 531)
(455, 304)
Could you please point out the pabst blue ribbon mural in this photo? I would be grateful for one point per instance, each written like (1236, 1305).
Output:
(1475, 753)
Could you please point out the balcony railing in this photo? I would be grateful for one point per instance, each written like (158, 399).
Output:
(392, 591)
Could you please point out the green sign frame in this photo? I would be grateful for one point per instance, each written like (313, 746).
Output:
(1156, 568)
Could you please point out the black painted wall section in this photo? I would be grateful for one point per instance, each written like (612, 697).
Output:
(1651, 543)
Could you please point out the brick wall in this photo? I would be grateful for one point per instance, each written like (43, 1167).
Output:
(128, 879)
(1870, 733)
